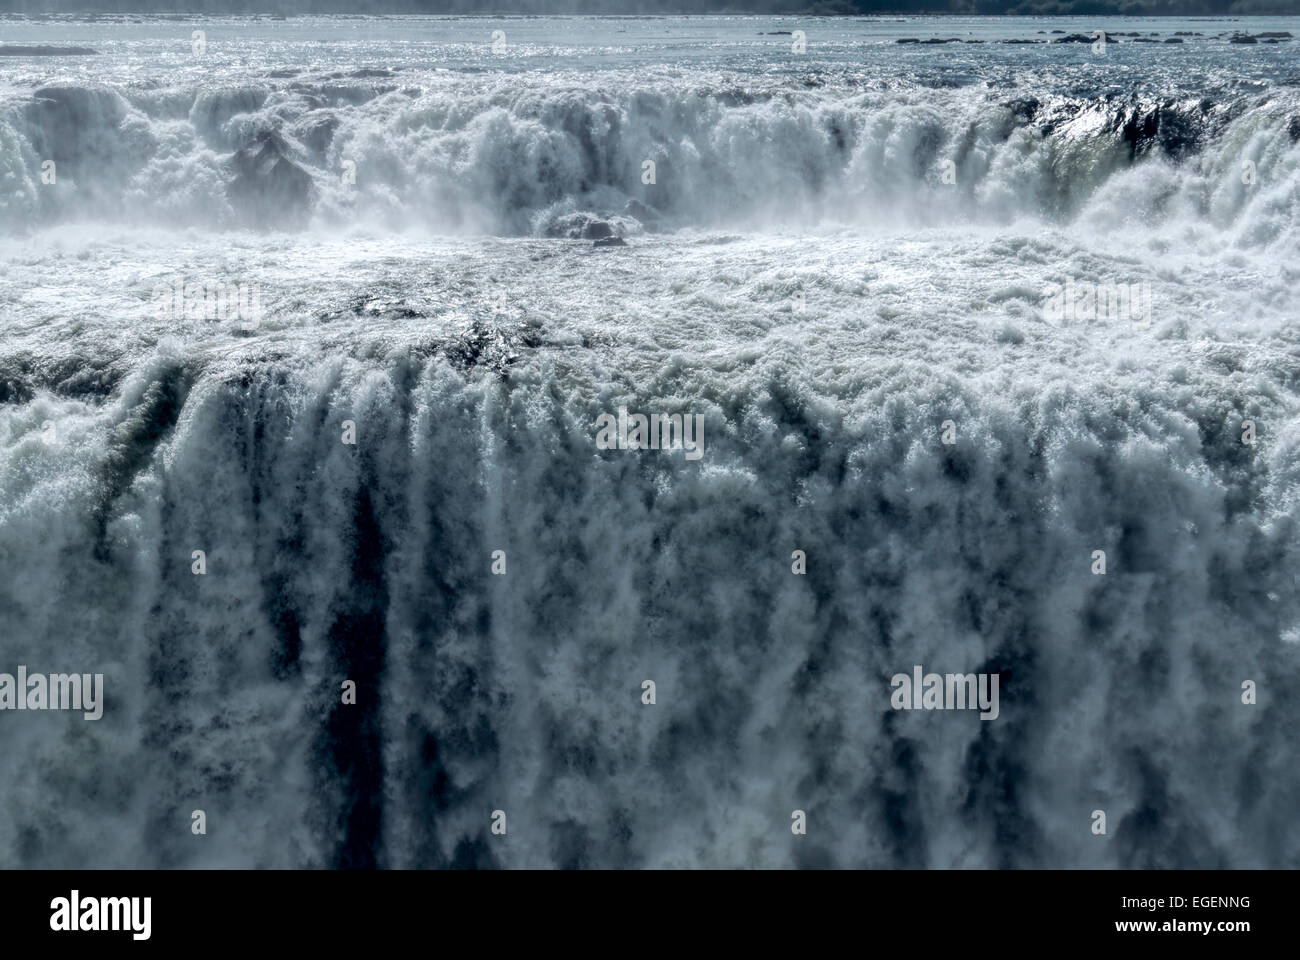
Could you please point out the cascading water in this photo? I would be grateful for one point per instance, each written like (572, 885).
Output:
(843, 282)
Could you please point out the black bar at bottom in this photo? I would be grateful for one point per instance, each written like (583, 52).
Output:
(652, 910)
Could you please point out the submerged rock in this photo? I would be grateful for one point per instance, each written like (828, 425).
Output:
(1174, 127)
(484, 345)
(582, 226)
(1023, 110)
(646, 215)
(315, 131)
(1086, 38)
(268, 188)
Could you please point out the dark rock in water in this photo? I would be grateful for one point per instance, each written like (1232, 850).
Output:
(484, 346)
(579, 226)
(1085, 38)
(1276, 34)
(938, 40)
(1024, 110)
(1025, 41)
(779, 33)
(610, 242)
(1149, 40)
(268, 187)
(646, 215)
(1173, 40)
(316, 132)
(908, 40)
(1175, 127)
(11, 50)
(1293, 129)
(1242, 38)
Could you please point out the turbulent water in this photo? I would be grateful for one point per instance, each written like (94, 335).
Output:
(837, 259)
